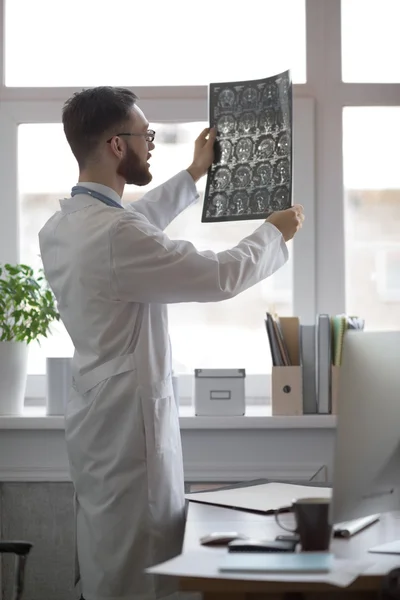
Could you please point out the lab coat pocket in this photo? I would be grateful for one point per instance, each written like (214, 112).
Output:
(164, 470)
(161, 423)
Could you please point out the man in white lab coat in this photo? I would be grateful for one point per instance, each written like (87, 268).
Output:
(113, 272)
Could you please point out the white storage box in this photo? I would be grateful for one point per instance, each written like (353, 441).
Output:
(219, 392)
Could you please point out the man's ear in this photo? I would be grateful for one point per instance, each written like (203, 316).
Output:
(117, 146)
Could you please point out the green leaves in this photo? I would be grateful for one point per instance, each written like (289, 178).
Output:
(27, 305)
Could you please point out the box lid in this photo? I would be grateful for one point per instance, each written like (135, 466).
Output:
(220, 373)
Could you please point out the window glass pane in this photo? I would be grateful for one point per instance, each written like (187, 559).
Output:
(370, 41)
(96, 42)
(372, 214)
(225, 334)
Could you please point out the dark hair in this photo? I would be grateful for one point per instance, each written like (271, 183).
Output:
(91, 113)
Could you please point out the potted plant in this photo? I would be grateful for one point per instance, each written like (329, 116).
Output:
(27, 309)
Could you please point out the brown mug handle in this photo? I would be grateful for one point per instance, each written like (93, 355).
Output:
(280, 511)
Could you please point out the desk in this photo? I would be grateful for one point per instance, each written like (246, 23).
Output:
(203, 519)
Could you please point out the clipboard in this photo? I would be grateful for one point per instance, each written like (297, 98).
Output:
(283, 493)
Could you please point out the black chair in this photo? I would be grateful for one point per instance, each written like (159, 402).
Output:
(21, 551)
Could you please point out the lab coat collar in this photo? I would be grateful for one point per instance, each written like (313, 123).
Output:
(83, 200)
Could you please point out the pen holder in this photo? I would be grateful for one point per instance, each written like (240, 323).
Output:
(335, 389)
(287, 391)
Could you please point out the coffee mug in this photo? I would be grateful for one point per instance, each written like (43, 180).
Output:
(312, 523)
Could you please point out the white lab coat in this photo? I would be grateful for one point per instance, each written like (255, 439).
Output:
(113, 273)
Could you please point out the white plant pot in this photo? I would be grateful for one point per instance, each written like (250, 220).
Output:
(13, 370)
(58, 383)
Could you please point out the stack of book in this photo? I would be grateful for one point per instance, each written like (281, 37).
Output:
(315, 349)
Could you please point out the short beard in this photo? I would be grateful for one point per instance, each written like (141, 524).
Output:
(133, 170)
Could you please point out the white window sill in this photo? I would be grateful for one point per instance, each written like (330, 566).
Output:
(257, 417)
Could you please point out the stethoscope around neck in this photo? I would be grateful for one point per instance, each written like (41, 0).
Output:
(81, 189)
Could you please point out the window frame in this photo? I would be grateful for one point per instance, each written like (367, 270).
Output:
(319, 250)
(15, 113)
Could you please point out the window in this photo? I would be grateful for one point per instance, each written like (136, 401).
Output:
(225, 334)
(346, 153)
(388, 273)
(370, 41)
(372, 214)
(41, 183)
(172, 43)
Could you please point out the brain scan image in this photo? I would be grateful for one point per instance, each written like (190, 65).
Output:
(242, 176)
(284, 89)
(251, 175)
(218, 205)
(281, 197)
(270, 94)
(266, 121)
(240, 202)
(244, 149)
(282, 144)
(225, 148)
(247, 122)
(259, 201)
(249, 98)
(264, 174)
(227, 98)
(222, 178)
(281, 171)
(266, 147)
(226, 124)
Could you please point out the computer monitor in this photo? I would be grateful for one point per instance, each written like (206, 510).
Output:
(366, 470)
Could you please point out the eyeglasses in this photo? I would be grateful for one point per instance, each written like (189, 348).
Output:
(149, 135)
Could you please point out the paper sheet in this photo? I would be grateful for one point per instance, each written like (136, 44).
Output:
(264, 498)
(204, 563)
(389, 548)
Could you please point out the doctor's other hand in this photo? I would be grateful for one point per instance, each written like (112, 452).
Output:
(203, 153)
(288, 221)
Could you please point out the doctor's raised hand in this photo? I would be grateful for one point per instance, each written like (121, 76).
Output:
(288, 221)
(203, 153)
